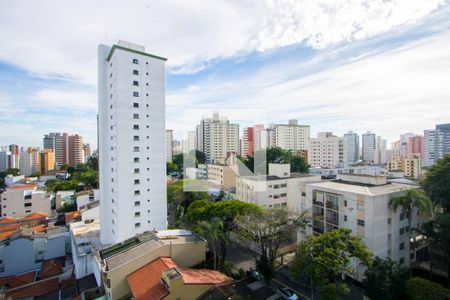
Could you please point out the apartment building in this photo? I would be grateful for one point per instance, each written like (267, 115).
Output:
(429, 144)
(442, 140)
(410, 166)
(188, 144)
(248, 142)
(68, 148)
(29, 162)
(169, 145)
(260, 137)
(131, 141)
(87, 152)
(217, 138)
(46, 161)
(351, 148)
(416, 146)
(19, 200)
(361, 204)
(221, 174)
(292, 136)
(368, 147)
(326, 151)
(280, 188)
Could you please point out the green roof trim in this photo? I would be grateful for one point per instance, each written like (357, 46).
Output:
(114, 47)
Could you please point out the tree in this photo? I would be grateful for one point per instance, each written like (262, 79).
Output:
(55, 185)
(419, 288)
(171, 167)
(326, 256)
(213, 232)
(89, 178)
(268, 229)
(436, 183)
(299, 165)
(386, 279)
(200, 157)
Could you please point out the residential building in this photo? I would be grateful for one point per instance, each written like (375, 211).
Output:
(395, 163)
(177, 147)
(217, 137)
(259, 137)
(49, 141)
(87, 152)
(351, 148)
(131, 141)
(412, 167)
(46, 161)
(221, 174)
(382, 154)
(118, 262)
(280, 188)
(21, 199)
(292, 136)
(29, 162)
(442, 140)
(362, 204)
(368, 147)
(189, 142)
(429, 156)
(28, 241)
(68, 148)
(76, 150)
(326, 151)
(416, 146)
(169, 145)
(333, 172)
(248, 142)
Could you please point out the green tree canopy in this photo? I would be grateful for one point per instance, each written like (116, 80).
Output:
(436, 183)
(282, 156)
(386, 280)
(324, 257)
(419, 289)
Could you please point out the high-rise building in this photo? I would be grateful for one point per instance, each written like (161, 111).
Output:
(46, 161)
(49, 141)
(292, 136)
(169, 145)
(68, 149)
(248, 142)
(217, 138)
(87, 151)
(429, 155)
(442, 140)
(76, 150)
(416, 146)
(351, 148)
(29, 162)
(189, 142)
(260, 137)
(132, 148)
(368, 147)
(326, 151)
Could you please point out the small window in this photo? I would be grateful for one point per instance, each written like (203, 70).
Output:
(137, 225)
(135, 61)
(136, 181)
(135, 116)
(361, 223)
(389, 220)
(136, 138)
(345, 218)
(402, 231)
(27, 204)
(401, 261)
(283, 185)
(135, 94)
(136, 83)
(136, 159)
(135, 127)
(402, 216)
(137, 192)
(137, 203)
(136, 149)
(136, 171)
(345, 203)
(135, 72)
(137, 214)
(401, 246)
(136, 105)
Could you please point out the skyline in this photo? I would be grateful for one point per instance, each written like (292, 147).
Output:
(386, 55)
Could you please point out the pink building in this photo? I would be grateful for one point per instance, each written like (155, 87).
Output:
(416, 146)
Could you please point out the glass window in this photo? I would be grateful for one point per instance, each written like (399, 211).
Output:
(361, 222)
(135, 94)
(401, 246)
(135, 127)
(135, 83)
(135, 61)
(136, 105)
(136, 159)
(135, 72)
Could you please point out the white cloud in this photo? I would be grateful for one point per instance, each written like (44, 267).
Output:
(401, 90)
(48, 99)
(59, 38)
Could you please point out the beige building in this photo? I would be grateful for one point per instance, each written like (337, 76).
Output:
(46, 161)
(120, 260)
(411, 166)
(280, 188)
(20, 200)
(221, 174)
(326, 151)
(292, 136)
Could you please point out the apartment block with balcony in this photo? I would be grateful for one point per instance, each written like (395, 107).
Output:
(19, 200)
(326, 151)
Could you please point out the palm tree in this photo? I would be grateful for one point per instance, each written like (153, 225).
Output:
(213, 231)
(410, 199)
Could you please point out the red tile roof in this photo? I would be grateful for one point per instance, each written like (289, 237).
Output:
(70, 216)
(38, 289)
(145, 283)
(37, 222)
(18, 280)
(51, 267)
(21, 186)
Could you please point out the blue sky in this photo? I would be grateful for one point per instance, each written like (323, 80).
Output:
(335, 65)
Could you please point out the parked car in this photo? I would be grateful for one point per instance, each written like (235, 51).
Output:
(287, 293)
(255, 274)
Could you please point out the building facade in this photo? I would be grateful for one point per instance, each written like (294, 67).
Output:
(292, 136)
(20, 200)
(368, 147)
(326, 151)
(351, 148)
(429, 155)
(131, 141)
(169, 145)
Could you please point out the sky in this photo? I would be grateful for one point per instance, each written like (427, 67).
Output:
(339, 65)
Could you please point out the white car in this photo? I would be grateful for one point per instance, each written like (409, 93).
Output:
(287, 293)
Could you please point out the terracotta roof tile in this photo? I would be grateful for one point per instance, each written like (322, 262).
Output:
(145, 282)
(203, 276)
(38, 289)
(18, 280)
(51, 267)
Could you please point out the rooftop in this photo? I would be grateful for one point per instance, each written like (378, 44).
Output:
(273, 177)
(86, 236)
(359, 188)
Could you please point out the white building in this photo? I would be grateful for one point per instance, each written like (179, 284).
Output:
(326, 151)
(292, 136)
(351, 148)
(280, 188)
(217, 137)
(361, 204)
(20, 200)
(189, 142)
(368, 146)
(131, 141)
(429, 148)
(29, 162)
(360, 170)
(169, 145)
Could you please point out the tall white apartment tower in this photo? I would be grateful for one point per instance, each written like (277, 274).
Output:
(132, 148)
(169, 145)
(351, 148)
(429, 148)
(292, 136)
(368, 146)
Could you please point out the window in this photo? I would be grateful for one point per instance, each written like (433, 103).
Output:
(283, 185)
(401, 261)
(402, 216)
(136, 171)
(137, 203)
(401, 246)
(402, 231)
(136, 138)
(135, 94)
(135, 72)
(136, 105)
(135, 116)
(283, 195)
(136, 149)
(135, 127)
(389, 221)
(345, 218)
(136, 83)
(137, 214)
(136, 159)
(276, 186)
(136, 181)
(135, 61)
(361, 222)
(137, 225)
(137, 192)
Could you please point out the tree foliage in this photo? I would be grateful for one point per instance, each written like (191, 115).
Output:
(213, 231)
(386, 280)
(419, 289)
(279, 155)
(326, 256)
(55, 185)
(436, 183)
(268, 230)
